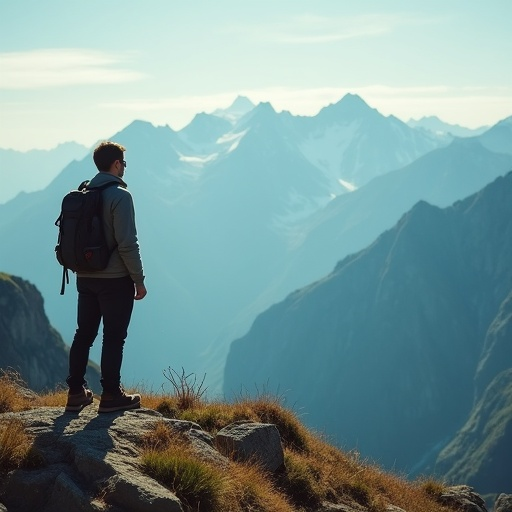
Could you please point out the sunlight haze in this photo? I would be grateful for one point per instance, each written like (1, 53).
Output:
(83, 71)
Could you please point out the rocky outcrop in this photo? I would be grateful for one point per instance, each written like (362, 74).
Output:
(91, 463)
(503, 503)
(30, 345)
(463, 498)
(89, 460)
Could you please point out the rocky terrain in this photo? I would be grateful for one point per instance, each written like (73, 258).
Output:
(91, 464)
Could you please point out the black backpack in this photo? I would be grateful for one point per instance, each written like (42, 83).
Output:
(81, 245)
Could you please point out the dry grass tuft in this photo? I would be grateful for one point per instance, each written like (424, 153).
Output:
(169, 459)
(250, 489)
(15, 396)
(12, 397)
(16, 447)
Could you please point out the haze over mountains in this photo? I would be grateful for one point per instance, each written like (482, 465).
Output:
(241, 208)
(28, 171)
(435, 125)
(233, 215)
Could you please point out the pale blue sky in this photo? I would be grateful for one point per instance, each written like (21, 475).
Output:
(81, 71)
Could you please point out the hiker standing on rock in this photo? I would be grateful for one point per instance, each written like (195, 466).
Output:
(108, 294)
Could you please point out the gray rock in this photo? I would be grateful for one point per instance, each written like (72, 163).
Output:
(252, 442)
(503, 503)
(91, 463)
(333, 507)
(463, 498)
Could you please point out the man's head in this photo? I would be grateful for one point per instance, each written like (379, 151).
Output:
(108, 157)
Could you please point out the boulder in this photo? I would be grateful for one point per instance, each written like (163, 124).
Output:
(252, 442)
(503, 503)
(463, 498)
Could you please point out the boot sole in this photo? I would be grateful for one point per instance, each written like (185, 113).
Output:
(103, 409)
(77, 408)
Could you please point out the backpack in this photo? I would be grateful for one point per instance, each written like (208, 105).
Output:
(81, 245)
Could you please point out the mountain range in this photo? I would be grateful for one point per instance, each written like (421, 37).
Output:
(404, 349)
(244, 206)
(234, 214)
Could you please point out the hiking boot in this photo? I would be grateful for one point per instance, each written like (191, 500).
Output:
(120, 401)
(77, 401)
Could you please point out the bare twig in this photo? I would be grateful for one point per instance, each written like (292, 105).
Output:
(186, 387)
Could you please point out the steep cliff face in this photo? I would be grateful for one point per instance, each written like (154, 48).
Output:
(481, 452)
(383, 353)
(29, 344)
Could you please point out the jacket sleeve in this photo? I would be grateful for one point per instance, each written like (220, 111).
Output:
(125, 235)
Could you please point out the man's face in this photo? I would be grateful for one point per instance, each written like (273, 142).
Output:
(120, 165)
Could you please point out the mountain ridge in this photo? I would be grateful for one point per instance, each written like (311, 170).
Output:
(394, 320)
(222, 226)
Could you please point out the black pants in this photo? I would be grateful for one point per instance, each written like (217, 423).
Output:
(112, 301)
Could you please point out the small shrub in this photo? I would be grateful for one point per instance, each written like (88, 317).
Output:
(432, 487)
(186, 388)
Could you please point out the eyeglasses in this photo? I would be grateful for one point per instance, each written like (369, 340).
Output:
(123, 162)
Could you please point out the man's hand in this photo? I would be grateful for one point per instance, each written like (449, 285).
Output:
(140, 291)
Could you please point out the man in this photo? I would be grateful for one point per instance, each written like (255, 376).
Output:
(108, 294)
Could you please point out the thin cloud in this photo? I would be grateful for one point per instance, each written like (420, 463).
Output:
(313, 29)
(319, 30)
(197, 103)
(62, 67)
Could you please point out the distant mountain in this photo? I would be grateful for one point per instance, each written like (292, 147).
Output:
(204, 131)
(30, 345)
(383, 352)
(351, 222)
(435, 125)
(353, 143)
(227, 221)
(28, 171)
(241, 106)
(498, 137)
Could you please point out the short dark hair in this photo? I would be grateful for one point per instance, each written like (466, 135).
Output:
(106, 153)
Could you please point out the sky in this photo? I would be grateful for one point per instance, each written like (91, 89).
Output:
(82, 71)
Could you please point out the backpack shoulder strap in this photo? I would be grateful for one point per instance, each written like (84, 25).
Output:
(65, 279)
(83, 185)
